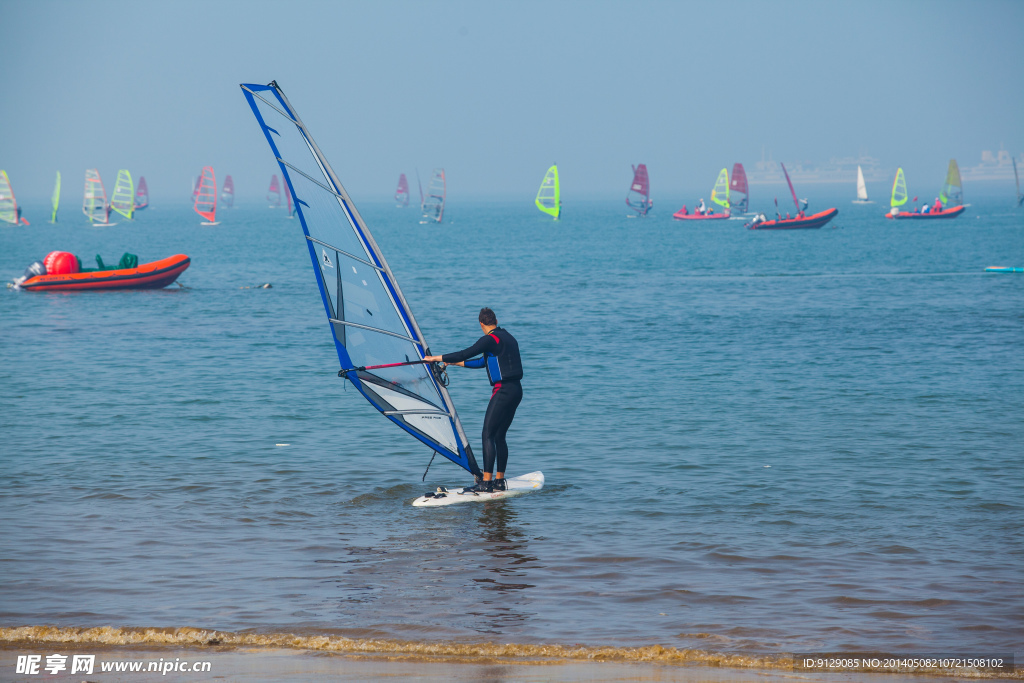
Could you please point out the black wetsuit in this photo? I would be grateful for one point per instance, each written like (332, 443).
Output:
(504, 369)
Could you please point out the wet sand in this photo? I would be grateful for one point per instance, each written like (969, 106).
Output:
(276, 665)
(332, 659)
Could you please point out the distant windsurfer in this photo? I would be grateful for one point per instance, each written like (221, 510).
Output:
(499, 353)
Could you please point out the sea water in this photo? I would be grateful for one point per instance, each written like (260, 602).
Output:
(753, 441)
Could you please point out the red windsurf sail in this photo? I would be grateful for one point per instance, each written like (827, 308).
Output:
(402, 193)
(227, 193)
(141, 195)
(738, 185)
(274, 193)
(206, 195)
(639, 196)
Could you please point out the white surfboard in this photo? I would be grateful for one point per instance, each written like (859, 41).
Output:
(517, 486)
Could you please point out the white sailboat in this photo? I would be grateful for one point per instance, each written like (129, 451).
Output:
(862, 189)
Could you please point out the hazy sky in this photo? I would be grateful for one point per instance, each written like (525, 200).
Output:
(497, 91)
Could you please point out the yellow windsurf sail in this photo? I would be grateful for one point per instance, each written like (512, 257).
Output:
(8, 205)
(720, 193)
(549, 196)
(952, 192)
(56, 199)
(899, 189)
(123, 199)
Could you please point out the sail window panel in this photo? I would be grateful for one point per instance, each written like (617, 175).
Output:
(286, 136)
(324, 218)
(356, 294)
(367, 348)
(329, 277)
(431, 424)
(366, 302)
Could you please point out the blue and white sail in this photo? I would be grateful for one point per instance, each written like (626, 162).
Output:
(368, 316)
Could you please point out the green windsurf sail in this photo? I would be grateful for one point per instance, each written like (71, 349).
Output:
(952, 191)
(549, 196)
(899, 189)
(720, 193)
(123, 199)
(56, 199)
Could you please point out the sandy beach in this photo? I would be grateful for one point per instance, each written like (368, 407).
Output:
(197, 655)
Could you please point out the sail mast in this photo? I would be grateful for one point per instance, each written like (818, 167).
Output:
(796, 203)
(1020, 198)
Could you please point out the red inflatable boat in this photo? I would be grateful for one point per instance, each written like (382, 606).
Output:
(807, 222)
(62, 271)
(680, 216)
(951, 212)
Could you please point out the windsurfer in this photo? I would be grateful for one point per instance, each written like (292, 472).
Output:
(499, 353)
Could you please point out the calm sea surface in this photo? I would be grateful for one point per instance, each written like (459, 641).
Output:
(753, 441)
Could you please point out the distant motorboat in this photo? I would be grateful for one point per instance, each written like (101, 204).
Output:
(951, 198)
(719, 195)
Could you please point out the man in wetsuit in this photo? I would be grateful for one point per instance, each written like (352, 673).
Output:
(500, 355)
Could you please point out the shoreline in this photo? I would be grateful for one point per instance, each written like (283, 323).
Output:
(282, 656)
